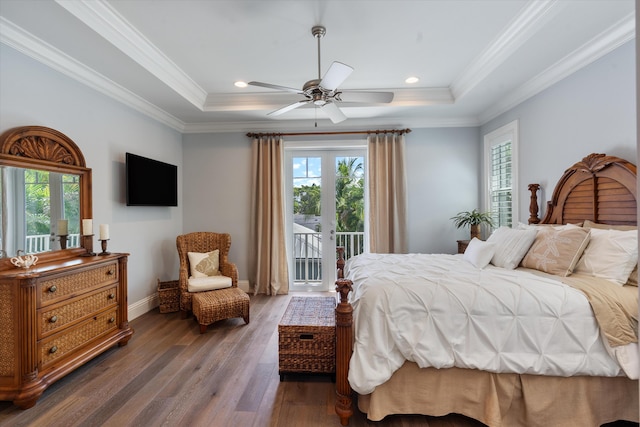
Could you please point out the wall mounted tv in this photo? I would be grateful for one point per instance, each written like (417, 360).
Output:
(150, 182)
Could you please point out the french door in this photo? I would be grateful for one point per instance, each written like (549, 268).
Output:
(325, 208)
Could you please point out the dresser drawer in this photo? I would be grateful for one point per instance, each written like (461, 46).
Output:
(59, 345)
(54, 318)
(54, 288)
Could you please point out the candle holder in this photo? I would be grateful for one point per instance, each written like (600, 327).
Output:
(103, 242)
(63, 240)
(87, 244)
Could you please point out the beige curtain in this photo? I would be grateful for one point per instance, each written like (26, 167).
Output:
(387, 194)
(268, 271)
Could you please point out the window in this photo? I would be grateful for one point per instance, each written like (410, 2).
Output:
(501, 170)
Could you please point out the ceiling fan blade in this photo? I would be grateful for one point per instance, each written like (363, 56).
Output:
(335, 75)
(333, 112)
(288, 108)
(276, 87)
(366, 96)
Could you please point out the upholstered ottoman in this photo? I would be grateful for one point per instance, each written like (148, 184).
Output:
(211, 306)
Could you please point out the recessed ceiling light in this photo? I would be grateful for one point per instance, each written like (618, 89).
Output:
(412, 80)
(240, 84)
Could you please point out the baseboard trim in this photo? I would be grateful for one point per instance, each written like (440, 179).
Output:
(142, 306)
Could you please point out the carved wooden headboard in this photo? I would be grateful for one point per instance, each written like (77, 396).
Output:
(599, 188)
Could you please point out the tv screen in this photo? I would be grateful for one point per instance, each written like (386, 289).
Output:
(150, 182)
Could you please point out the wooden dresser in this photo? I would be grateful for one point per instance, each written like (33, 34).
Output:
(55, 317)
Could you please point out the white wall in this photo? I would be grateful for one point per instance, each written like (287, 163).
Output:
(442, 180)
(591, 111)
(216, 189)
(33, 94)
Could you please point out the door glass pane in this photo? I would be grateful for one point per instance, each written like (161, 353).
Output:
(307, 218)
(350, 205)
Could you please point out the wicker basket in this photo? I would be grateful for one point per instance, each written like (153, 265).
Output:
(307, 336)
(169, 296)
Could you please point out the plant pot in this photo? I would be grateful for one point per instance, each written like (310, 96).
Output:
(475, 231)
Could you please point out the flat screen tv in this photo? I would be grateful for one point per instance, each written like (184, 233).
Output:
(150, 182)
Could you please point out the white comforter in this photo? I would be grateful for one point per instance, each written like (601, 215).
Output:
(441, 311)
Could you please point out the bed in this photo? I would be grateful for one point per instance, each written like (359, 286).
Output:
(543, 332)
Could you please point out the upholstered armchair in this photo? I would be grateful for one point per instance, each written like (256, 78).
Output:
(202, 242)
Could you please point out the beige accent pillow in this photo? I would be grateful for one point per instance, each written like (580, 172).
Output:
(611, 255)
(479, 253)
(523, 226)
(511, 245)
(204, 264)
(557, 251)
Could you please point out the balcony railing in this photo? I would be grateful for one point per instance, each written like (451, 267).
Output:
(308, 252)
(42, 243)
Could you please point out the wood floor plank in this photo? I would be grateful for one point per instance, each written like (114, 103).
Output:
(171, 375)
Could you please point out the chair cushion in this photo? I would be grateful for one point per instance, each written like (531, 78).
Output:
(200, 284)
(204, 264)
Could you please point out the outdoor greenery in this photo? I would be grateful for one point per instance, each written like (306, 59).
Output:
(349, 196)
(38, 202)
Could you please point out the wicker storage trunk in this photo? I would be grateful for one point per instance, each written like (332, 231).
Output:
(168, 296)
(307, 336)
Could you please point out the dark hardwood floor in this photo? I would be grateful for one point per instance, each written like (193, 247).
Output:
(171, 375)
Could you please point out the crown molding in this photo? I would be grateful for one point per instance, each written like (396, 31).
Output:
(106, 21)
(33, 47)
(530, 19)
(612, 38)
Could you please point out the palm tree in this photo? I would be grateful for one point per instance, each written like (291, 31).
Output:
(350, 195)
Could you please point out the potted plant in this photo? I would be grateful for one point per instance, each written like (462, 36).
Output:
(473, 219)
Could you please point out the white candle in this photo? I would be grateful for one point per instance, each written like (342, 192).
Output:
(63, 227)
(87, 227)
(104, 231)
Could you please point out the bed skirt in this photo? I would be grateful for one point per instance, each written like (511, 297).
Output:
(504, 400)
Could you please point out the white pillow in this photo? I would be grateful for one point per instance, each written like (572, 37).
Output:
(611, 254)
(208, 283)
(479, 253)
(204, 264)
(511, 245)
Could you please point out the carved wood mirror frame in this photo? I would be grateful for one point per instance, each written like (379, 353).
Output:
(43, 148)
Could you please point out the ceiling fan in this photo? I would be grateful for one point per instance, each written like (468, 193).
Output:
(323, 92)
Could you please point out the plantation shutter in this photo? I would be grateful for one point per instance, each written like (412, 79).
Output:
(501, 188)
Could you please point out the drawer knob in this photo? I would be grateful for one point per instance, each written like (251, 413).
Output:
(111, 272)
(112, 296)
(112, 319)
(53, 349)
(53, 319)
(53, 288)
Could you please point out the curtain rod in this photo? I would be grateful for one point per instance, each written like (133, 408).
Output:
(355, 132)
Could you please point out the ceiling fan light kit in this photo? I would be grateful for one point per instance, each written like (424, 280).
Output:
(323, 92)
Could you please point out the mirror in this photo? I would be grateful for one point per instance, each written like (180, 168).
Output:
(41, 210)
(43, 180)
